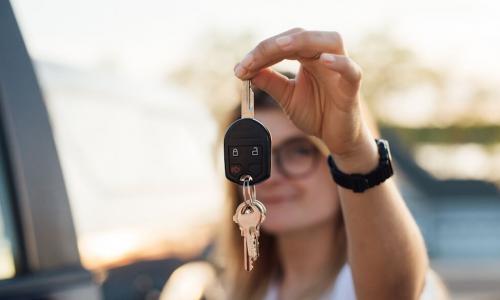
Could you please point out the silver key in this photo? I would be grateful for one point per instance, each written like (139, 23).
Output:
(262, 209)
(252, 241)
(256, 233)
(249, 217)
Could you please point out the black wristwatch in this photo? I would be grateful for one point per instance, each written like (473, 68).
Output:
(361, 182)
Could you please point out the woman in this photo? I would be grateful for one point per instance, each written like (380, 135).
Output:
(317, 233)
(320, 240)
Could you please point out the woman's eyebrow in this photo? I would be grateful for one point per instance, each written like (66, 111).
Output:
(288, 139)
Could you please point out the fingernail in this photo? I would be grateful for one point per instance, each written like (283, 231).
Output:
(284, 42)
(327, 57)
(247, 61)
(239, 71)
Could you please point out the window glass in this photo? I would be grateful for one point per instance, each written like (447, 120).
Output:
(136, 153)
(7, 266)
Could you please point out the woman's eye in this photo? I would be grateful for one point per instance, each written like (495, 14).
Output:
(303, 150)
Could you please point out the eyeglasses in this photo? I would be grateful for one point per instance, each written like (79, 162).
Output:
(296, 157)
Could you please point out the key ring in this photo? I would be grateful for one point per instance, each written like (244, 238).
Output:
(248, 190)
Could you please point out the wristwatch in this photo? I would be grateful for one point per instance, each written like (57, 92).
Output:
(361, 182)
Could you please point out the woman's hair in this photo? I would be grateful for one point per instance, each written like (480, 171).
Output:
(253, 285)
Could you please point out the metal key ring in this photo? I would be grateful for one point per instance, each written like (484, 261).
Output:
(248, 190)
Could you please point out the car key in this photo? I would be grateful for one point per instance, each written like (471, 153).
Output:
(247, 144)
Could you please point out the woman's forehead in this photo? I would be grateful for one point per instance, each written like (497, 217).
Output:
(278, 124)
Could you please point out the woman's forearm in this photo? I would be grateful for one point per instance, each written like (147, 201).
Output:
(386, 251)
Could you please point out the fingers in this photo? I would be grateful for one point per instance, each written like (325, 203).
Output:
(296, 43)
(308, 44)
(242, 68)
(275, 84)
(346, 67)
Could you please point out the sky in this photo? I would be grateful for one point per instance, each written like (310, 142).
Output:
(147, 39)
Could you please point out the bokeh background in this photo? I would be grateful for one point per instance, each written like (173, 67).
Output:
(136, 91)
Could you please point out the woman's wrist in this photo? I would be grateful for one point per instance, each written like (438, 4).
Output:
(362, 158)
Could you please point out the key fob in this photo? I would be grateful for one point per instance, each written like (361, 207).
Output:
(247, 151)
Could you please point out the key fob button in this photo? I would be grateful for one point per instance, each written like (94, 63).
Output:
(236, 169)
(255, 151)
(254, 169)
(235, 152)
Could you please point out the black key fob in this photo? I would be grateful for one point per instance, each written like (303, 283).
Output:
(247, 151)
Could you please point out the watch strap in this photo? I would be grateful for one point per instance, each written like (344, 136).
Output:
(361, 182)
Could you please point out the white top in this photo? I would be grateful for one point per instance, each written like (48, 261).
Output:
(343, 289)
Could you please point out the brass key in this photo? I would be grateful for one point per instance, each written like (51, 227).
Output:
(249, 217)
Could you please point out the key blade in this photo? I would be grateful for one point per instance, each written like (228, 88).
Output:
(247, 101)
(245, 256)
(252, 244)
(247, 261)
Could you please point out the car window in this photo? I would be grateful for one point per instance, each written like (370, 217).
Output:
(7, 266)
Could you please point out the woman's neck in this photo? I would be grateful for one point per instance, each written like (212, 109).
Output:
(308, 257)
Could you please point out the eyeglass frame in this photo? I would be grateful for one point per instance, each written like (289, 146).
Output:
(282, 168)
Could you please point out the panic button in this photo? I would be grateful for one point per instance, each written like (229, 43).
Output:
(235, 169)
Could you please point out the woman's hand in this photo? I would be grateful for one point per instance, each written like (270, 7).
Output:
(323, 99)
